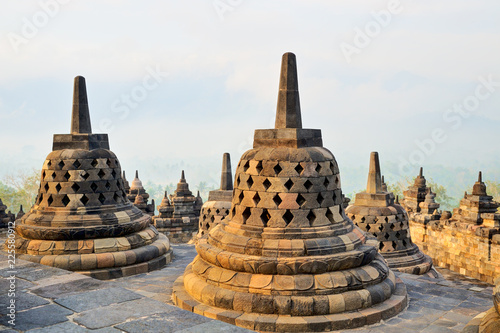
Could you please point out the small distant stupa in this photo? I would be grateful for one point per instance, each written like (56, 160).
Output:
(219, 201)
(136, 189)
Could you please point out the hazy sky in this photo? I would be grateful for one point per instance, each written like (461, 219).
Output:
(177, 83)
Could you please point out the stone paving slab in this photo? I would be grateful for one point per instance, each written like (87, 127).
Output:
(62, 301)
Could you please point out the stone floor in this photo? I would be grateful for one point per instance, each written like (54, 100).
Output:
(54, 300)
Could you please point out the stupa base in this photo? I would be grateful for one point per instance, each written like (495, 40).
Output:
(485, 322)
(110, 265)
(286, 323)
(417, 264)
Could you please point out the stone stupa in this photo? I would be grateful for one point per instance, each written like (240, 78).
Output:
(177, 217)
(376, 212)
(82, 219)
(5, 217)
(137, 189)
(219, 201)
(287, 259)
(478, 208)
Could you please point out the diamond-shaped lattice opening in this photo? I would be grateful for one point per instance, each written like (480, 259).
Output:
(67, 175)
(363, 219)
(101, 173)
(43, 174)
(217, 211)
(386, 235)
(311, 217)
(212, 218)
(404, 242)
(277, 200)
(54, 175)
(207, 226)
(256, 199)
(288, 216)
(368, 227)
(288, 184)
(394, 245)
(308, 184)
(113, 173)
(265, 217)
(209, 211)
(84, 199)
(277, 169)
(65, 200)
(332, 167)
(318, 168)
(108, 162)
(380, 245)
(375, 219)
(320, 198)
(246, 166)
(75, 187)
(46, 187)
(246, 215)
(337, 180)
(50, 163)
(380, 227)
(326, 182)
(398, 234)
(238, 180)
(50, 200)
(227, 211)
(299, 169)
(85, 175)
(329, 215)
(300, 200)
(77, 164)
(241, 196)
(267, 183)
(259, 167)
(40, 198)
(233, 211)
(93, 186)
(249, 182)
(58, 187)
(386, 219)
(392, 226)
(61, 164)
(94, 163)
(102, 198)
(108, 186)
(116, 197)
(334, 196)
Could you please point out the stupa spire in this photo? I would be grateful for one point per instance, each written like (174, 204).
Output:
(480, 177)
(374, 179)
(137, 174)
(226, 178)
(80, 117)
(421, 174)
(183, 178)
(288, 109)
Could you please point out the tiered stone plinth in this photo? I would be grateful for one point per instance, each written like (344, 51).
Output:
(178, 219)
(375, 212)
(82, 220)
(135, 191)
(219, 201)
(5, 217)
(287, 258)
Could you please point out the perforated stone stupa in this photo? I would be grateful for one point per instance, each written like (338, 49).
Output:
(219, 201)
(375, 212)
(478, 207)
(419, 201)
(137, 194)
(82, 220)
(287, 258)
(178, 217)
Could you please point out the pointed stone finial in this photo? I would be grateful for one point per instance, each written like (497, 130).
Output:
(374, 179)
(182, 176)
(226, 178)
(480, 177)
(397, 199)
(124, 178)
(288, 109)
(137, 174)
(465, 195)
(383, 180)
(80, 117)
(421, 172)
(165, 196)
(198, 194)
